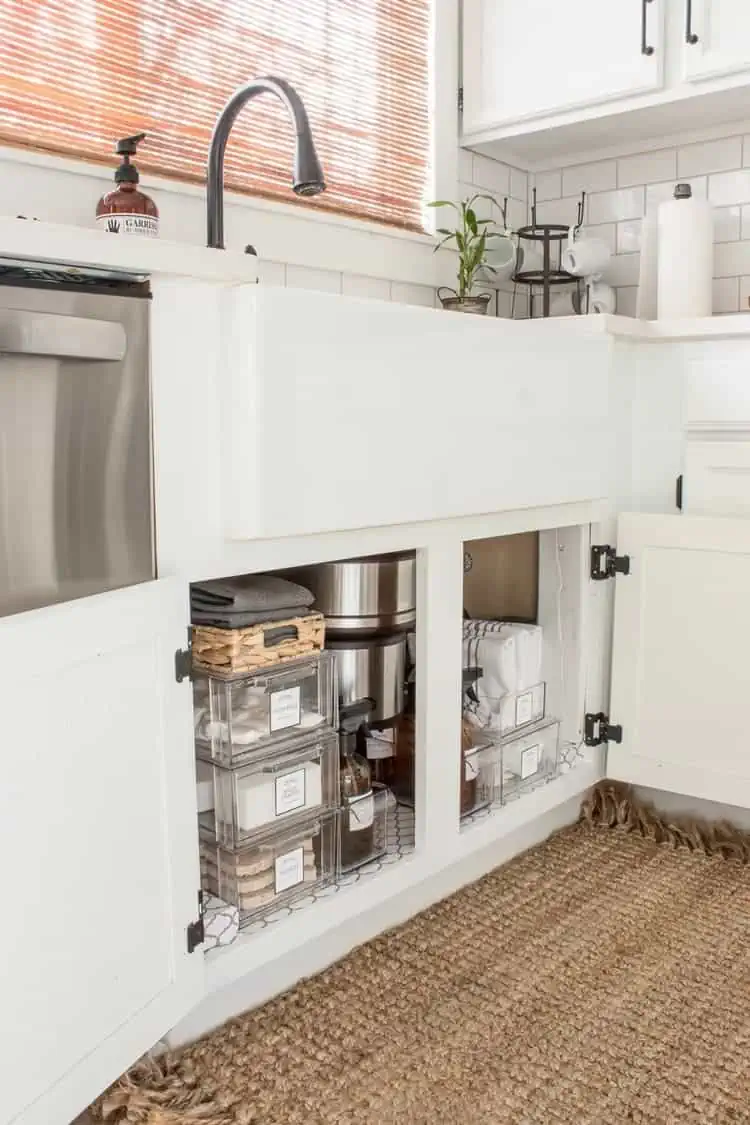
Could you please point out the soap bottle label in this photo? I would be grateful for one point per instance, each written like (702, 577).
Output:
(124, 223)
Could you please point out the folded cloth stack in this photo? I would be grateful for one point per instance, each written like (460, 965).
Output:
(510, 657)
(250, 599)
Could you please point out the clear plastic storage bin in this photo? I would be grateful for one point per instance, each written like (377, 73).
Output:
(273, 871)
(507, 713)
(363, 824)
(272, 789)
(480, 786)
(527, 759)
(234, 718)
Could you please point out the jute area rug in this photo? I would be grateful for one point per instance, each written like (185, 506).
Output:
(601, 978)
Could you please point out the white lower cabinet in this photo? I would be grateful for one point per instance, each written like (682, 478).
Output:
(100, 864)
(98, 799)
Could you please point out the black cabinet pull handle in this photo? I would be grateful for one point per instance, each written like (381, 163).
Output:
(646, 48)
(690, 36)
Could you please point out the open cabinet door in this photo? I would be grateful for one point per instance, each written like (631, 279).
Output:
(680, 667)
(99, 860)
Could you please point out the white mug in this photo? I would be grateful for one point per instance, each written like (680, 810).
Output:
(586, 258)
(602, 297)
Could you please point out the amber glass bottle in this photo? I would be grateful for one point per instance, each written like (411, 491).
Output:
(127, 209)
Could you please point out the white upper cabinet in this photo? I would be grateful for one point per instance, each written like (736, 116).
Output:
(717, 38)
(680, 675)
(535, 58)
(98, 829)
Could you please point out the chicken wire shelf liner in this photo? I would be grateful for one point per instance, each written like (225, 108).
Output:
(399, 843)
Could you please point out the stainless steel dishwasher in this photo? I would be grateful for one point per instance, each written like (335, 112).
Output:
(76, 508)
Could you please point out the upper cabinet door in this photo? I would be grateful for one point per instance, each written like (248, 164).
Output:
(717, 38)
(98, 833)
(680, 671)
(534, 58)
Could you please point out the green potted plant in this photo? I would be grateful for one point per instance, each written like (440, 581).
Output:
(471, 238)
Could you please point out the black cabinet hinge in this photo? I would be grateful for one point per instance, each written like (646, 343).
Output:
(460, 99)
(196, 932)
(606, 563)
(597, 729)
(183, 662)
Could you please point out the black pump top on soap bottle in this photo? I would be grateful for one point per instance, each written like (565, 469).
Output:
(127, 209)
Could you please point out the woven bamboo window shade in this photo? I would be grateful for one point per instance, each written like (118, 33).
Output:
(77, 74)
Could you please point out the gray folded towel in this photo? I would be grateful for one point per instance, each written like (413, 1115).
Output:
(249, 593)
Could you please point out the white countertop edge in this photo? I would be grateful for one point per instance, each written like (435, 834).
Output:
(52, 242)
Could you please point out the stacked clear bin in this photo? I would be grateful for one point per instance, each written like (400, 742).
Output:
(276, 820)
(268, 745)
(515, 752)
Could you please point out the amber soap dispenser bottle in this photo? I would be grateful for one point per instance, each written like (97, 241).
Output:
(127, 209)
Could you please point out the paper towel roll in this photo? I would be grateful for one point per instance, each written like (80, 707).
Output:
(645, 307)
(685, 256)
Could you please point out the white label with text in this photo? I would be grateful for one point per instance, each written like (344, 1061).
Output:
(145, 225)
(290, 792)
(530, 760)
(285, 708)
(524, 708)
(289, 870)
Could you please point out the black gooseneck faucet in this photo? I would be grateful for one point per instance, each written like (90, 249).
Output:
(308, 174)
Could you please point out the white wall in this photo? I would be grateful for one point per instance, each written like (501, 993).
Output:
(621, 191)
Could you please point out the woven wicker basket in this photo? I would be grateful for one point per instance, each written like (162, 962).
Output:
(234, 652)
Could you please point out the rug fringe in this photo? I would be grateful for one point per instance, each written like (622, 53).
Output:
(152, 1093)
(610, 804)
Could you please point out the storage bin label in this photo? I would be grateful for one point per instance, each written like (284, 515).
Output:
(524, 708)
(289, 870)
(530, 759)
(361, 813)
(290, 792)
(285, 708)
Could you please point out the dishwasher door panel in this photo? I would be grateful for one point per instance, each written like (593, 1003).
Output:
(76, 511)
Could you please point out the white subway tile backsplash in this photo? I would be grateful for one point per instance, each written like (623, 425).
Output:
(601, 176)
(729, 187)
(744, 305)
(627, 298)
(711, 156)
(304, 277)
(548, 185)
(465, 164)
(357, 285)
(613, 206)
(731, 259)
(491, 175)
(519, 184)
(407, 294)
(745, 221)
(605, 231)
(727, 224)
(658, 193)
(623, 269)
(647, 168)
(271, 273)
(504, 303)
(518, 214)
(629, 236)
(558, 210)
(725, 294)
